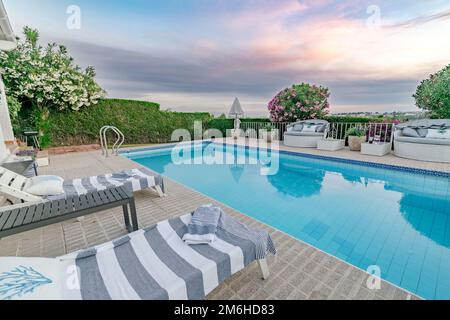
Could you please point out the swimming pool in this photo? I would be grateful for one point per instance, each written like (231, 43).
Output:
(366, 215)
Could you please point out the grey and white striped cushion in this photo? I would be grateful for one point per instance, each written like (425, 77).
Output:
(155, 263)
(139, 179)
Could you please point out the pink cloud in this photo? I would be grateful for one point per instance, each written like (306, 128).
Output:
(262, 15)
(348, 48)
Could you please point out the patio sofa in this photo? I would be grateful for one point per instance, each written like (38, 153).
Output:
(306, 134)
(425, 140)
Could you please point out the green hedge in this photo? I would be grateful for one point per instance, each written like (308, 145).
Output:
(350, 119)
(255, 120)
(224, 124)
(141, 122)
(220, 124)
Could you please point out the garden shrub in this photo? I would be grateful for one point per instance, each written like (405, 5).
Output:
(300, 102)
(352, 119)
(45, 79)
(221, 124)
(433, 94)
(141, 122)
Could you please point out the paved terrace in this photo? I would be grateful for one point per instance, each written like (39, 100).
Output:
(299, 271)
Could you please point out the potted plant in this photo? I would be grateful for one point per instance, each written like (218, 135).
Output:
(268, 132)
(356, 136)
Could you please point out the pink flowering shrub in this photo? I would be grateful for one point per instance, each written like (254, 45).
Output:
(300, 102)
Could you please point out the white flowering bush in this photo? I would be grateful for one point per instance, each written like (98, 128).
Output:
(47, 77)
(44, 79)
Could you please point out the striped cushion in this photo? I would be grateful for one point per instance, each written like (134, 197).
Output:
(156, 264)
(138, 179)
(153, 263)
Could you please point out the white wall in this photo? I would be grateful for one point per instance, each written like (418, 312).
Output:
(3, 150)
(5, 120)
(6, 132)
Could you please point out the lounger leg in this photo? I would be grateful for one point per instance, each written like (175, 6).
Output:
(134, 220)
(264, 269)
(160, 192)
(126, 218)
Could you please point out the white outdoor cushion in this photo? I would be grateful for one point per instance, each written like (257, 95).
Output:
(410, 132)
(309, 128)
(45, 186)
(34, 278)
(441, 142)
(438, 133)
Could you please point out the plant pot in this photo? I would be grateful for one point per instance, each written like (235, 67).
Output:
(269, 136)
(355, 142)
(236, 133)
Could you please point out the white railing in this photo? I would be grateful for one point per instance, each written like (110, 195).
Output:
(253, 129)
(381, 132)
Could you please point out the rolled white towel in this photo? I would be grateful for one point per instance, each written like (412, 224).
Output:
(203, 226)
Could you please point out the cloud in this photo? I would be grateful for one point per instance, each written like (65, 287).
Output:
(252, 49)
(211, 84)
(420, 20)
(347, 46)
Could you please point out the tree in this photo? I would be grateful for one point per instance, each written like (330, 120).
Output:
(47, 78)
(433, 94)
(300, 102)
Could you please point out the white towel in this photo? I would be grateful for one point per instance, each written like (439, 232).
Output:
(203, 226)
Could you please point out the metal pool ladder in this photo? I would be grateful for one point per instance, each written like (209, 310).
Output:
(104, 141)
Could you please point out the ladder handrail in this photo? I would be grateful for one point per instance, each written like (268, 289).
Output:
(104, 141)
(119, 142)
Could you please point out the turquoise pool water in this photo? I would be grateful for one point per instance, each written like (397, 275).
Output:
(364, 215)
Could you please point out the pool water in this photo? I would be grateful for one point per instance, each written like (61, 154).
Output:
(396, 220)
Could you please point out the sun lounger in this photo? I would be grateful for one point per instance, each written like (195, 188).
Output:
(153, 263)
(13, 184)
(31, 215)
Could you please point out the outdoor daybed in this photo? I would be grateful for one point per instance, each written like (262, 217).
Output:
(426, 140)
(306, 134)
(149, 264)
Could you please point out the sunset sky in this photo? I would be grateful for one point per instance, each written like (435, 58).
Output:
(197, 55)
